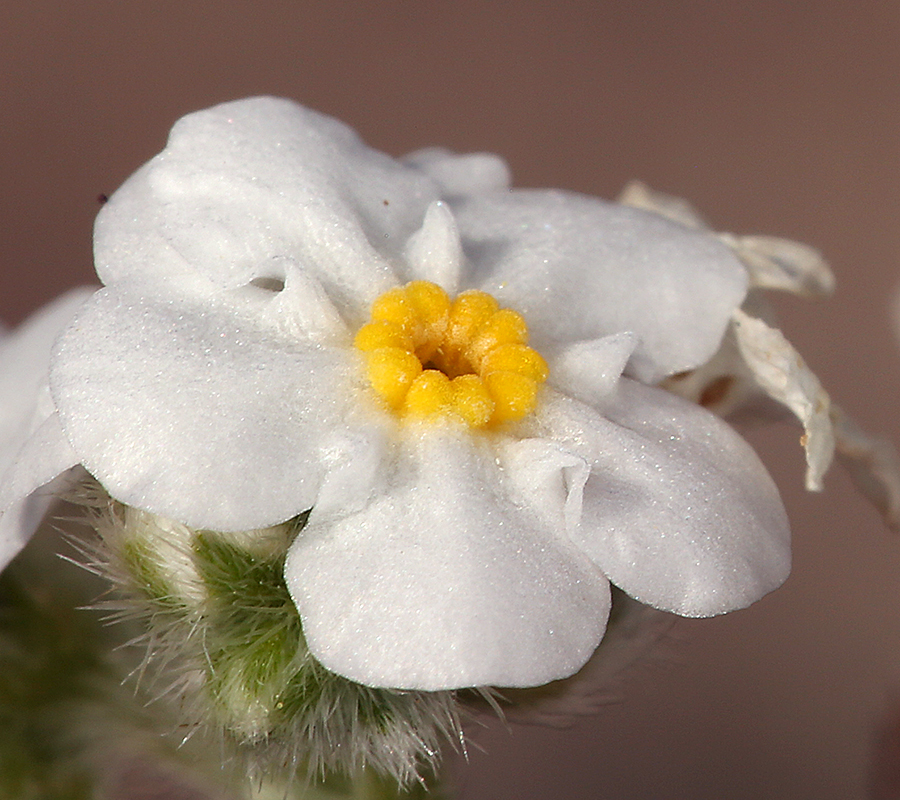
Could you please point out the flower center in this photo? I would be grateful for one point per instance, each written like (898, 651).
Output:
(428, 355)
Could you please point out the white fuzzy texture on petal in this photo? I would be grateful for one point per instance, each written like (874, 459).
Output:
(252, 180)
(179, 409)
(302, 309)
(772, 262)
(590, 370)
(449, 579)
(678, 511)
(633, 635)
(785, 377)
(541, 473)
(578, 268)
(214, 383)
(353, 462)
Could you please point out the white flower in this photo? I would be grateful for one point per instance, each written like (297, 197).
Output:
(215, 381)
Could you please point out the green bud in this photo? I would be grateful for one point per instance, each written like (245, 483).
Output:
(225, 645)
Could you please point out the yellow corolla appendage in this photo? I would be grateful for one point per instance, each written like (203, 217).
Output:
(429, 356)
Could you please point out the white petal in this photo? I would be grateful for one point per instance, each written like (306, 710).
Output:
(548, 478)
(24, 363)
(446, 581)
(434, 252)
(725, 384)
(353, 462)
(42, 458)
(782, 373)
(678, 511)
(633, 632)
(245, 182)
(590, 370)
(461, 175)
(302, 309)
(183, 410)
(578, 268)
(773, 263)
(33, 450)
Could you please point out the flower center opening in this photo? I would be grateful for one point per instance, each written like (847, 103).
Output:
(428, 355)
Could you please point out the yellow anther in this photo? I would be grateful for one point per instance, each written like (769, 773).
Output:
(515, 358)
(373, 335)
(468, 312)
(394, 306)
(514, 395)
(391, 371)
(429, 394)
(467, 359)
(471, 400)
(504, 327)
(430, 302)
(431, 306)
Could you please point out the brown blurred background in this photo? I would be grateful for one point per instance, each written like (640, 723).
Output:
(772, 117)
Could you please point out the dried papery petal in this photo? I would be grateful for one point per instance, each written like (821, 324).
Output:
(786, 378)
(637, 194)
(873, 464)
(782, 264)
(756, 371)
(726, 384)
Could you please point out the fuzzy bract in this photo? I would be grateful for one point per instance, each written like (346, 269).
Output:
(213, 381)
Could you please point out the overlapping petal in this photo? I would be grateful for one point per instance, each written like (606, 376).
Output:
(242, 185)
(33, 450)
(24, 365)
(579, 268)
(449, 578)
(678, 510)
(26, 491)
(461, 175)
(183, 410)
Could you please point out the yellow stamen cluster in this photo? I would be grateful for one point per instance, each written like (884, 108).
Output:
(428, 355)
